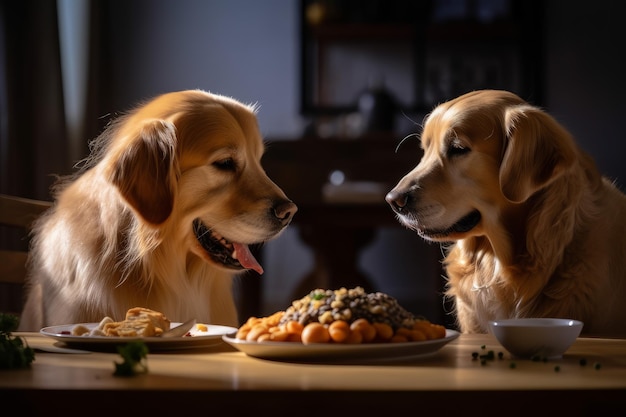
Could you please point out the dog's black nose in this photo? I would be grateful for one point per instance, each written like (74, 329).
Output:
(285, 210)
(396, 200)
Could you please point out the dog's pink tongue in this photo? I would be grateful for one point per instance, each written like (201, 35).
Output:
(246, 258)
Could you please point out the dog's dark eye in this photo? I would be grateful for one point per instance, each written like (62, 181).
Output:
(457, 149)
(227, 164)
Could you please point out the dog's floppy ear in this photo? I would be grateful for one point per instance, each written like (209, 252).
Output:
(538, 150)
(145, 173)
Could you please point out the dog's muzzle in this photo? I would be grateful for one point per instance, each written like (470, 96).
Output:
(401, 203)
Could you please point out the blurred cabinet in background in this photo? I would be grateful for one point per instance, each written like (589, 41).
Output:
(418, 52)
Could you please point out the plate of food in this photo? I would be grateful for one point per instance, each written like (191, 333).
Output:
(338, 351)
(141, 324)
(343, 324)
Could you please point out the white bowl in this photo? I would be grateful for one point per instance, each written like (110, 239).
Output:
(546, 338)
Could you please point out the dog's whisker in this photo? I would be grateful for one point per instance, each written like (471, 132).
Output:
(411, 135)
(409, 118)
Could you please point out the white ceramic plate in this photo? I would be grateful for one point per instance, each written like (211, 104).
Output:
(197, 339)
(337, 351)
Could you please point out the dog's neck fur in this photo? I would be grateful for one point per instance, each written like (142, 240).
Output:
(136, 257)
(500, 267)
(151, 268)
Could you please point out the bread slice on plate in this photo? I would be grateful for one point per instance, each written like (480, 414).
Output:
(139, 321)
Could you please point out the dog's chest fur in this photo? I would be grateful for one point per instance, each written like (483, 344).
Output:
(570, 283)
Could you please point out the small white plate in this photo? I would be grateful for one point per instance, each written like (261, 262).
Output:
(196, 339)
(338, 351)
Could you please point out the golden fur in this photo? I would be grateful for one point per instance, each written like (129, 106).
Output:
(123, 231)
(531, 228)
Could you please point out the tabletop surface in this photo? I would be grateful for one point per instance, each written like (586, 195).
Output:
(451, 372)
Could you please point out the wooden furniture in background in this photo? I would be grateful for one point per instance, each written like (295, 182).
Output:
(16, 217)
(337, 230)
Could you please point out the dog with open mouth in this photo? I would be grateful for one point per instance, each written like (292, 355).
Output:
(529, 226)
(161, 215)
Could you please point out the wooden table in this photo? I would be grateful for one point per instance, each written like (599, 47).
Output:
(447, 382)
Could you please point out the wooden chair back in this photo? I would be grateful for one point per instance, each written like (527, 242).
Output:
(16, 217)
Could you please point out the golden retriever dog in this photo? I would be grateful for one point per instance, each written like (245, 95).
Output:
(160, 216)
(529, 226)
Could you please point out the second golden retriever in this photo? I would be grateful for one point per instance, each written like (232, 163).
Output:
(160, 217)
(531, 228)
